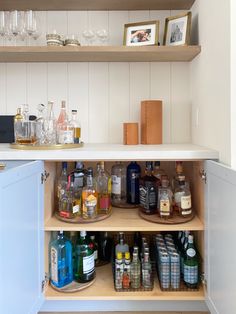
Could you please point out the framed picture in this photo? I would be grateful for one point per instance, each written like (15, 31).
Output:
(141, 34)
(177, 30)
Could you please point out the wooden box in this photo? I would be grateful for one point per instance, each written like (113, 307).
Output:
(151, 122)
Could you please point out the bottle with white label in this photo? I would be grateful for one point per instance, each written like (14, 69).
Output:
(165, 199)
(191, 265)
(182, 198)
(60, 261)
(118, 184)
(84, 260)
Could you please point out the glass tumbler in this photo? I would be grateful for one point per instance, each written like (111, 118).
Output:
(25, 132)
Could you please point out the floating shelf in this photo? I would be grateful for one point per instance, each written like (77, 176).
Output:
(45, 5)
(98, 54)
(103, 289)
(124, 219)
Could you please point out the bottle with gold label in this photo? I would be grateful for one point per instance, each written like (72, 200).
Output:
(89, 197)
(182, 198)
(103, 186)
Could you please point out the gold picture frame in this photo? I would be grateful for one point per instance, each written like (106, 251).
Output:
(177, 30)
(141, 33)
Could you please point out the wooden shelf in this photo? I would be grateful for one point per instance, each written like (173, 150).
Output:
(98, 54)
(122, 219)
(103, 289)
(45, 5)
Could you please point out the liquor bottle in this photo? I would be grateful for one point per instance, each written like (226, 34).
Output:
(18, 119)
(79, 175)
(146, 271)
(135, 269)
(127, 271)
(62, 181)
(122, 246)
(118, 184)
(84, 260)
(157, 171)
(95, 248)
(75, 123)
(89, 197)
(165, 196)
(65, 132)
(191, 265)
(119, 270)
(50, 125)
(103, 187)
(148, 193)
(105, 245)
(73, 235)
(62, 115)
(40, 124)
(133, 176)
(60, 259)
(183, 249)
(182, 198)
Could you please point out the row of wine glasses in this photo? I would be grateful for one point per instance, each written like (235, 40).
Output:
(91, 37)
(19, 25)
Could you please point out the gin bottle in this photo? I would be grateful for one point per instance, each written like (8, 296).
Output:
(191, 265)
(118, 184)
(135, 269)
(60, 259)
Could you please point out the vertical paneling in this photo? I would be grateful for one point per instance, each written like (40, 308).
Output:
(57, 21)
(36, 85)
(77, 23)
(57, 84)
(180, 100)
(139, 16)
(160, 89)
(98, 20)
(98, 102)
(117, 19)
(160, 16)
(118, 100)
(3, 100)
(78, 87)
(16, 89)
(42, 16)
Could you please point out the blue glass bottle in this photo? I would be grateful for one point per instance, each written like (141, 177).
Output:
(133, 175)
(60, 259)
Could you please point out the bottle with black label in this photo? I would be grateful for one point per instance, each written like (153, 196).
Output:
(133, 176)
(148, 193)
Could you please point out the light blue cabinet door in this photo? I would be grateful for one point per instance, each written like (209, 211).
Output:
(21, 237)
(220, 238)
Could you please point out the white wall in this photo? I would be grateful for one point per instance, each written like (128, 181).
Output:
(210, 75)
(106, 94)
(233, 84)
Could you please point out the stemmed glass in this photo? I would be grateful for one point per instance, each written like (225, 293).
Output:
(3, 24)
(32, 25)
(102, 35)
(16, 24)
(89, 36)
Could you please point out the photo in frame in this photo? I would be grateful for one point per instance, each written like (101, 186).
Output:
(141, 34)
(177, 30)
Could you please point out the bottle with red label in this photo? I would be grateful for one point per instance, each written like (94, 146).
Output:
(103, 187)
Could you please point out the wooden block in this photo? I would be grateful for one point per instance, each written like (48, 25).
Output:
(151, 122)
(130, 133)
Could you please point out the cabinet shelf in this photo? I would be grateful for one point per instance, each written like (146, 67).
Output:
(45, 5)
(98, 54)
(122, 219)
(103, 289)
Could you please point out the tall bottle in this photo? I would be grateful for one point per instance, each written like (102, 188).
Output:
(191, 266)
(84, 260)
(105, 246)
(165, 196)
(62, 180)
(79, 175)
(146, 271)
(75, 123)
(89, 197)
(60, 259)
(118, 184)
(119, 270)
(50, 125)
(127, 271)
(62, 115)
(133, 176)
(103, 187)
(18, 120)
(135, 269)
(95, 248)
(122, 246)
(148, 192)
(40, 124)
(182, 198)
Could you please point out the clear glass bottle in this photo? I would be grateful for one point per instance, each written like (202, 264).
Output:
(133, 176)
(65, 133)
(127, 271)
(135, 269)
(191, 265)
(50, 125)
(62, 181)
(122, 246)
(119, 270)
(165, 196)
(40, 136)
(75, 123)
(84, 260)
(118, 184)
(146, 271)
(62, 115)
(182, 198)
(148, 192)
(103, 187)
(89, 197)
(60, 261)
(18, 120)
(157, 171)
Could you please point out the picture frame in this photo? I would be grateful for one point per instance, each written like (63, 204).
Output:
(177, 30)
(141, 33)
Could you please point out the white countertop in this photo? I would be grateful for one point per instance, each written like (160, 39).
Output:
(113, 152)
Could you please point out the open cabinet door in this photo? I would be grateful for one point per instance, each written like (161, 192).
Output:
(21, 237)
(220, 238)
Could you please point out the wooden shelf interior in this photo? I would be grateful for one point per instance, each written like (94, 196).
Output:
(45, 5)
(98, 54)
(103, 289)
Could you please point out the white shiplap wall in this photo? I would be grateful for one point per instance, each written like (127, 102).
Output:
(106, 94)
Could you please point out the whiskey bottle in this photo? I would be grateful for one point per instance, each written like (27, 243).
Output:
(89, 197)
(84, 260)
(60, 259)
(191, 265)
(103, 187)
(148, 191)
(182, 198)
(75, 123)
(118, 184)
(133, 176)
(79, 175)
(165, 196)
(18, 120)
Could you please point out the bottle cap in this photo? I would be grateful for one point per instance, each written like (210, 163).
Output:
(119, 255)
(74, 111)
(64, 165)
(92, 237)
(60, 232)
(127, 255)
(63, 104)
(90, 171)
(79, 165)
(181, 178)
(83, 233)
(190, 238)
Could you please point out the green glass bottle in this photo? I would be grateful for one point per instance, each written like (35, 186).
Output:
(84, 259)
(191, 265)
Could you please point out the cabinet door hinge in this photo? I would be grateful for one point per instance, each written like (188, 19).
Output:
(203, 175)
(44, 176)
(44, 283)
(203, 279)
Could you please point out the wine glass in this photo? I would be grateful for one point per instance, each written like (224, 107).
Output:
(102, 35)
(16, 23)
(3, 23)
(89, 36)
(32, 27)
